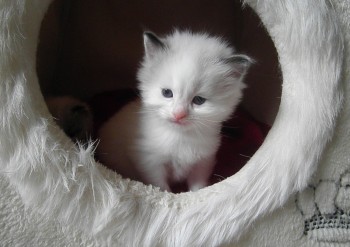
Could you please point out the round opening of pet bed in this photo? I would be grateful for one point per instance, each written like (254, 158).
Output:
(94, 56)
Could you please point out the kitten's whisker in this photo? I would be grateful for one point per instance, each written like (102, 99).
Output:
(200, 134)
(245, 156)
(198, 126)
(229, 127)
(146, 110)
(205, 120)
(227, 136)
(201, 124)
(219, 176)
(212, 121)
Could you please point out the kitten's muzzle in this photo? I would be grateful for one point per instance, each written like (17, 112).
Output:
(180, 115)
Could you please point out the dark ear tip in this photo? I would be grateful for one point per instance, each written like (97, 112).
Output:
(242, 59)
(152, 38)
(148, 33)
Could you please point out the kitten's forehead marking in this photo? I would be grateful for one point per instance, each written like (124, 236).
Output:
(194, 76)
(185, 82)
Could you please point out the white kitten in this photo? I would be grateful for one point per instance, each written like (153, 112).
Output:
(189, 83)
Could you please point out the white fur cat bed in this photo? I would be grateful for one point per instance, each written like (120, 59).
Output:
(54, 194)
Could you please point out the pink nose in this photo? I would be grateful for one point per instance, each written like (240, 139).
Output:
(180, 115)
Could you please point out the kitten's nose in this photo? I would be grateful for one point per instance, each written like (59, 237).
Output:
(180, 115)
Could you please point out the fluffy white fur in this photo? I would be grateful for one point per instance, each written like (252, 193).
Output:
(173, 138)
(60, 181)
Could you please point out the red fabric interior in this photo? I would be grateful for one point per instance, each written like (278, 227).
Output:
(241, 135)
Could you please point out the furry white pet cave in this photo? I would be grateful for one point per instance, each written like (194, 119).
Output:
(293, 192)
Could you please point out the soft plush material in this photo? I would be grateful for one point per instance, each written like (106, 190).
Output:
(55, 194)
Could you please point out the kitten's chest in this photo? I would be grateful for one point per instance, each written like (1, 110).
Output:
(181, 148)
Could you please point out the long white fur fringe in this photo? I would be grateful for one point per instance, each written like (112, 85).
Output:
(61, 181)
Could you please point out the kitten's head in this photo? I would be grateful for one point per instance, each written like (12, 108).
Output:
(191, 80)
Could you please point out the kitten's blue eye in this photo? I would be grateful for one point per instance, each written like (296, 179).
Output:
(198, 100)
(167, 93)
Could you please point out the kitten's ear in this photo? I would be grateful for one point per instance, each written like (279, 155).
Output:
(240, 64)
(152, 43)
